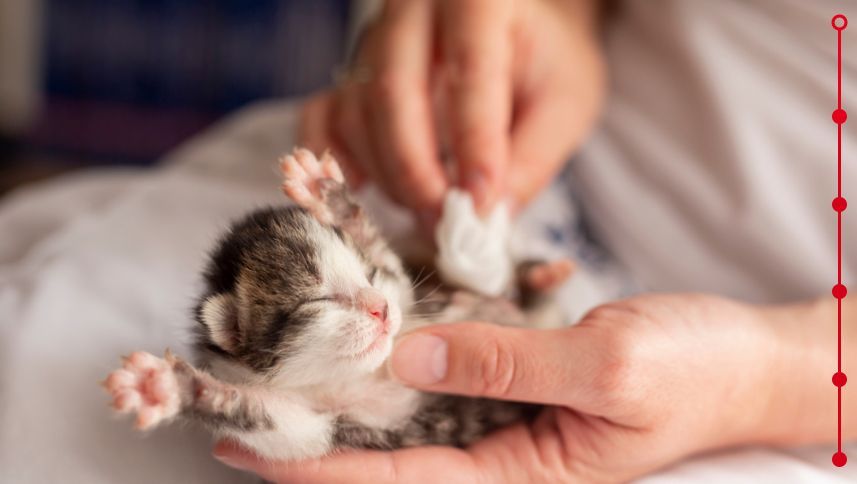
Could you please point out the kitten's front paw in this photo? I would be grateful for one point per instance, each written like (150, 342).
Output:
(307, 181)
(146, 385)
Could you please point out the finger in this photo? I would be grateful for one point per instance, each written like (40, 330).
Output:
(403, 127)
(552, 123)
(370, 467)
(313, 127)
(371, 163)
(317, 132)
(353, 116)
(476, 56)
(351, 128)
(559, 367)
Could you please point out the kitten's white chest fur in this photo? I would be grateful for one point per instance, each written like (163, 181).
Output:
(375, 401)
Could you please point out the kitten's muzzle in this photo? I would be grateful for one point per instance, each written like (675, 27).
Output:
(374, 304)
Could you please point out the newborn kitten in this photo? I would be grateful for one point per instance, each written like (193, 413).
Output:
(298, 317)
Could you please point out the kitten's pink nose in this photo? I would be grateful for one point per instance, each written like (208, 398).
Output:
(374, 303)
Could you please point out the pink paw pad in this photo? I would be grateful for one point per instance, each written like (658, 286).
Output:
(146, 385)
(303, 175)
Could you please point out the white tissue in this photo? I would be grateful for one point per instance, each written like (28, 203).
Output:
(473, 252)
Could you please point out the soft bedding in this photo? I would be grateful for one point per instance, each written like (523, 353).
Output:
(98, 264)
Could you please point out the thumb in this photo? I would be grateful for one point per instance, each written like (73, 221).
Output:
(480, 359)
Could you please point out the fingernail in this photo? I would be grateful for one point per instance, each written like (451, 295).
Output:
(420, 359)
(232, 462)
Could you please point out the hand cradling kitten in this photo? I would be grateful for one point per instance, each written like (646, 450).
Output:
(297, 320)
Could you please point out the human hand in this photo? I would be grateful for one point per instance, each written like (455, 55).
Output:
(636, 385)
(520, 83)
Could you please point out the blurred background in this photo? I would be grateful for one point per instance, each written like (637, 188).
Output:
(107, 82)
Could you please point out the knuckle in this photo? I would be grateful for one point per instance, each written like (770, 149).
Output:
(616, 382)
(495, 368)
(470, 66)
(613, 377)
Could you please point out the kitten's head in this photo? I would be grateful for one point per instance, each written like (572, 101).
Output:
(296, 301)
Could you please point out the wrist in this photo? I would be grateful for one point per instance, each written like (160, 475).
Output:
(741, 388)
(799, 396)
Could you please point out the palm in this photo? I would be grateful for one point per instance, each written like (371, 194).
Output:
(560, 442)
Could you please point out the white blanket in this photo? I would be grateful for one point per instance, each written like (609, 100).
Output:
(99, 264)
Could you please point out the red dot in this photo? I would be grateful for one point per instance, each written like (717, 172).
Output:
(839, 116)
(839, 379)
(839, 22)
(839, 291)
(840, 204)
(839, 459)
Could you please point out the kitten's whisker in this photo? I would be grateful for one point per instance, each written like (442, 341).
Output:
(422, 268)
(430, 294)
(420, 282)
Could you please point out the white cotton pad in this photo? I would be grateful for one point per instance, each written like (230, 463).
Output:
(473, 252)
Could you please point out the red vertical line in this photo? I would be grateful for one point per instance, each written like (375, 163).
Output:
(839, 237)
(839, 160)
(839, 69)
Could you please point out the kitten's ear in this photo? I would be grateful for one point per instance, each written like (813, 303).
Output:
(219, 314)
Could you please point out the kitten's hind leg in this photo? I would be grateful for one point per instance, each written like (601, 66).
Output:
(544, 277)
(537, 285)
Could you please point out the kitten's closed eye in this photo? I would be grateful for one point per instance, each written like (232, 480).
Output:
(320, 299)
(284, 315)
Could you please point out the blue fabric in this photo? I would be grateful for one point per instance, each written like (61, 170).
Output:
(126, 80)
(210, 55)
